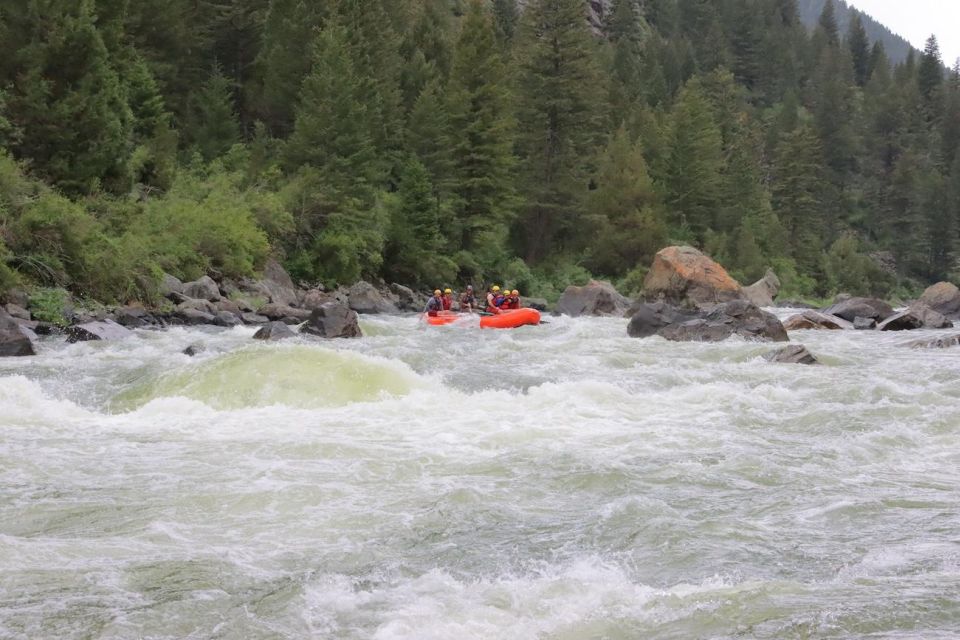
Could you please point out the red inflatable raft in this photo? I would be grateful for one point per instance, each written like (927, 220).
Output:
(510, 319)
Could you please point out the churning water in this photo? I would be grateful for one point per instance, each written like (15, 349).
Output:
(559, 482)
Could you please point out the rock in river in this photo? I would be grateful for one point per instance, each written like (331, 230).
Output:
(794, 354)
(944, 298)
(105, 330)
(739, 318)
(274, 332)
(684, 276)
(333, 320)
(852, 308)
(815, 320)
(14, 340)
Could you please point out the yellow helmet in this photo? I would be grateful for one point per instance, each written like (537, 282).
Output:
(515, 293)
(448, 290)
(495, 289)
(436, 292)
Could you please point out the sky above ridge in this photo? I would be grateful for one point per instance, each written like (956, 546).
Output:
(915, 20)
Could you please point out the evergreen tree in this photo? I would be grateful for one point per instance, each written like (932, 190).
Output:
(624, 210)
(693, 180)
(482, 135)
(827, 23)
(797, 197)
(67, 95)
(930, 76)
(859, 46)
(212, 126)
(558, 121)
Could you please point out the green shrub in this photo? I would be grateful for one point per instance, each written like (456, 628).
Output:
(49, 304)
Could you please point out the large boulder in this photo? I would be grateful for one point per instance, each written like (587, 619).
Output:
(100, 330)
(852, 308)
(14, 339)
(134, 317)
(364, 298)
(763, 292)
(17, 311)
(197, 304)
(274, 332)
(253, 318)
(226, 319)
(649, 318)
(407, 298)
(278, 284)
(333, 320)
(275, 311)
(170, 285)
(815, 320)
(864, 324)
(203, 289)
(540, 304)
(793, 354)
(686, 277)
(738, 318)
(315, 298)
(194, 317)
(596, 298)
(915, 318)
(944, 298)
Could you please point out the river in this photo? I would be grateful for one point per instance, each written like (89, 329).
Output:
(560, 482)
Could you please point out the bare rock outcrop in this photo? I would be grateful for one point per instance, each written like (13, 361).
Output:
(686, 277)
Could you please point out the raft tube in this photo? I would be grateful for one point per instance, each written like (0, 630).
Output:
(510, 319)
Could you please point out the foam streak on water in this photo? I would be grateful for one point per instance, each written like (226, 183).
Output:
(559, 482)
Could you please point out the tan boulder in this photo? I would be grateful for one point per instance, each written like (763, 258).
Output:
(687, 277)
(944, 298)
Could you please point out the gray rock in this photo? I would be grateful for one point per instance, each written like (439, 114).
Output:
(197, 304)
(864, 324)
(815, 320)
(170, 285)
(593, 299)
(18, 297)
(946, 342)
(99, 330)
(763, 292)
(17, 311)
(931, 319)
(944, 298)
(915, 318)
(333, 320)
(279, 312)
(229, 306)
(739, 318)
(194, 350)
(793, 354)
(314, 299)
(364, 298)
(204, 289)
(194, 317)
(540, 304)
(407, 299)
(648, 319)
(278, 284)
(133, 317)
(852, 308)
(15, 340)
(253, 318)
(226, 319)
(274, 332)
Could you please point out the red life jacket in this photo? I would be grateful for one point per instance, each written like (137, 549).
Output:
(447, 303)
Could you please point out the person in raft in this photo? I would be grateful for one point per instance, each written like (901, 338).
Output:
(434, 304)
(494, 299)
(447, 299)
(468, 300)
(511, 300)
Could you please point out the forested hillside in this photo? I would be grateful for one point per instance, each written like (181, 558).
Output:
(897, 47)
(439, 141)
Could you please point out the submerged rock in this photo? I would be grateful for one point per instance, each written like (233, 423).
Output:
(15, 340)
(333, 320)
(852, 308)
(739, 318)
(763, 292)
(194, 350)
(686, 277)
(99, 330)
(273, 332)
(596, 298)
(815, 320)
(864, 324)
(794, 354)
(946, 342)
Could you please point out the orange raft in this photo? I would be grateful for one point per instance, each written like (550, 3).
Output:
(510, 319)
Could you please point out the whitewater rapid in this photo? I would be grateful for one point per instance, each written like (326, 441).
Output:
(560, 482)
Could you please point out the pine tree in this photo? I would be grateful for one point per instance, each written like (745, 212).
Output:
(828, 23)
(482, 134)
(212, 126)
(559, 121)
(625, 215)
(693, 180)
(66, 95)
(859, 46)
(930, 76)
(797, 200)
(626, 69)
